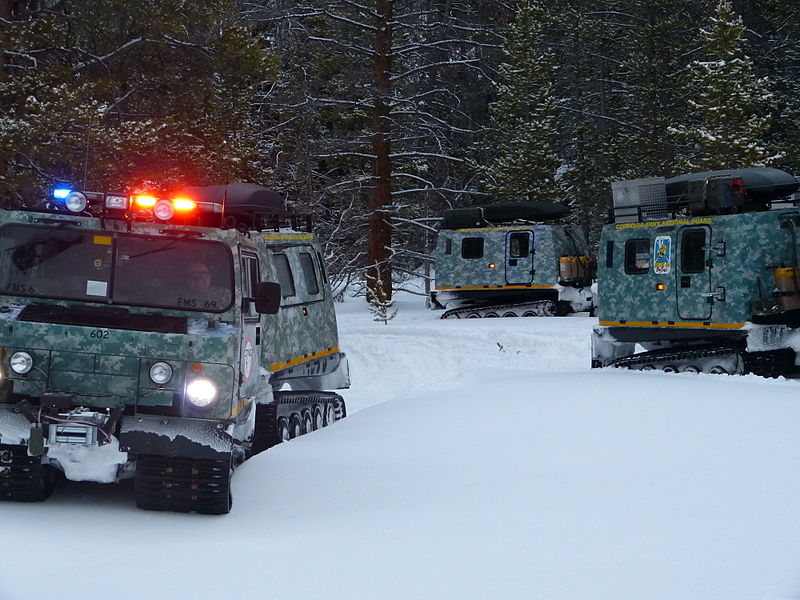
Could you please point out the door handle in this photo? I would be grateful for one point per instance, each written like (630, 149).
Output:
(719, 295)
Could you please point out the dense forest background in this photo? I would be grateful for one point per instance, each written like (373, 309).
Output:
(376, 115)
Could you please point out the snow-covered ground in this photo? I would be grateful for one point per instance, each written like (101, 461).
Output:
(481, 459)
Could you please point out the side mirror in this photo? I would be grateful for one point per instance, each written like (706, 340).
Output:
(267, 297)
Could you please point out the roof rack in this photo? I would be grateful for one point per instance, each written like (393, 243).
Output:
(704, 193)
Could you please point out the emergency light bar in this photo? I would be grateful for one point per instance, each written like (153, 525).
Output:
(236, 205)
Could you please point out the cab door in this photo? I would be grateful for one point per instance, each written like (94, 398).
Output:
(250, 325)
(519, 257)
(694, 273)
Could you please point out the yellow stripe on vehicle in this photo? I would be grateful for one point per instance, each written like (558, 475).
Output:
(240, 407)
(514, 228)
(499, 287)
(288, 236)
(304, 358)
(667, 223)
(102, 240)
(692, 324)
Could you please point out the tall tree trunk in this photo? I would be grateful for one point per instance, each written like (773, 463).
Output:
(5, 18)
(379, 280)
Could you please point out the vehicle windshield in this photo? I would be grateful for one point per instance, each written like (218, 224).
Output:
(115, 268)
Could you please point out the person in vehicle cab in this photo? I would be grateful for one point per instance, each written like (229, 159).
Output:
(199, 289)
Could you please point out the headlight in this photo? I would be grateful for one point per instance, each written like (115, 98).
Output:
(20, 362)
(202, 392)
(75, 201)
(160, 373)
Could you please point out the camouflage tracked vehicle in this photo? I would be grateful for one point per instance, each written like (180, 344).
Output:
(506, 260)
(164, 340)
(700, 273)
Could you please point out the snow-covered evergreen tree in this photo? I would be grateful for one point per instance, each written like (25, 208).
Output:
(524, 115)
(729, 102)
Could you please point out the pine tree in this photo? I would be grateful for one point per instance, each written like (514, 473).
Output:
(523, 119)
(108, 94)
(729, 103)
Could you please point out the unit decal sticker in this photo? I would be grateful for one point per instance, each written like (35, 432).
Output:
(247, 360)
(662, 251)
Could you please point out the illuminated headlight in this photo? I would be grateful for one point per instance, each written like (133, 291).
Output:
(202, 392)
(160, 373)
(75, 201)
(20, 362)
(164, 210)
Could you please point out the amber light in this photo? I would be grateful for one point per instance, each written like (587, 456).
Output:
(145, 201)
(197, 368)
(492, 265)
(661, 287)
(184, 204)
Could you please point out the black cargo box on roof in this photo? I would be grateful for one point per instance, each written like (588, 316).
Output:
(761, 184)
(497, 214)
(240, 199)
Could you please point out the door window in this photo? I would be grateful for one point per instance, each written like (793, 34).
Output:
(519, 245)
(250, 277)
(693, 253)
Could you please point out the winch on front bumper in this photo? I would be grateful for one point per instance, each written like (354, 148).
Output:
(89, 445)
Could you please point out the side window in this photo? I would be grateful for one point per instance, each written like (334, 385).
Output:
(284, 272)
(693, 254)
(609, 255)
(250, 278)
(322, 269)
(472, 248)
(519, 245)
(309, 273)
(637, 256)
(448, 246)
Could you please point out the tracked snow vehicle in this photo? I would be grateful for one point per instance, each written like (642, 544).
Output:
(511, 260)
(160, 339)
(700, 273)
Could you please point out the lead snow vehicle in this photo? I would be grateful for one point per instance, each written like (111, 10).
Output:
(700, 273)
(511, 260)
(160, 339)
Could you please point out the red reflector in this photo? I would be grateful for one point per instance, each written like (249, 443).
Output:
(184, 204)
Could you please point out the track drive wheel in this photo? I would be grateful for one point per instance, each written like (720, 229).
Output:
(308, 422)
(284, 433)
(329, 414)
(317, 417)
(295, 426)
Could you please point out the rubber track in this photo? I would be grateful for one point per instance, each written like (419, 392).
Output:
(266, 434)
(770, 363)
(183, 484)
(537, 307)
(24, 478)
